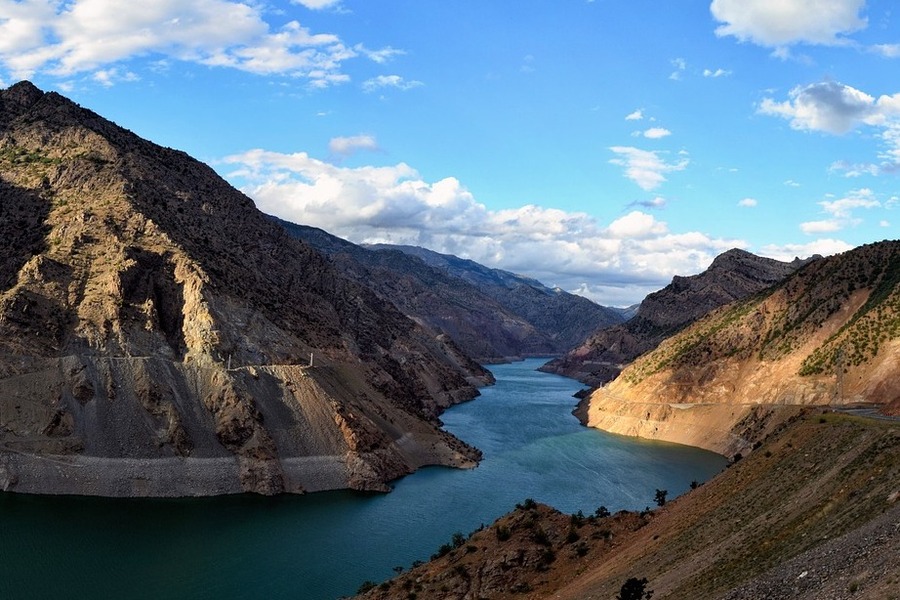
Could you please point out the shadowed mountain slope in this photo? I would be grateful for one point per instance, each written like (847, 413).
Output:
(491, 314)
(156, 331)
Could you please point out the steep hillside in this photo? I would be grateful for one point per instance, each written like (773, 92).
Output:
(160, 336)
(491, 314)
(828, 335)
(812, 515)
(734, 275)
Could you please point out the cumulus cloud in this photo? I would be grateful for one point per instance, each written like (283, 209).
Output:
(64, 38)
(680, 65)
(840, 212)
(715, 74)
(781, 23)
(617, 263)
(316, 4)
(381, 56)
(787, 252)
(655, 133)
(887, 50)
(345, 146)
(832, 107)
(389, 81)
(652, 204)
(748, 202)
(645, 167)
(837, 108)
(635, 116)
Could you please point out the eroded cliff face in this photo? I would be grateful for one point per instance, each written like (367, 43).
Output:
(160, 336)
(829, 335)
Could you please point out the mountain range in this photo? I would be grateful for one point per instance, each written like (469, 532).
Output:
(491, 314)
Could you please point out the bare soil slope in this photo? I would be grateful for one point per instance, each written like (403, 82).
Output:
(813, 514)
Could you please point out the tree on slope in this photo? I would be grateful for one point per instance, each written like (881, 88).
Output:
(635, 589)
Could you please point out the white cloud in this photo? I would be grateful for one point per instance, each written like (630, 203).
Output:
(618, 263)
(715, 74)
(832, 107)
(109, 77)
(781, 23)
(646, 168)
(655, 133)
(64, 38)
(787, 252)
(652, 204)
(854, 169)
(389, 81)
(345, 146)
(748, 202)
(825, 226)
(791, 183)
(836, 108)
(842, 208)
(680, 65)
(884, 223)
(317, 4)
(635, 116)
(887, 50)
(840, 212)
(381, 56)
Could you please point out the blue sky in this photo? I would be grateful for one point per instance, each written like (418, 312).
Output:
(602, 146)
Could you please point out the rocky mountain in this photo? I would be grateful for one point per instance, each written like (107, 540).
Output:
(827, 335)
(491, 314)
(161, 336)
(733, 275)
(813, 514)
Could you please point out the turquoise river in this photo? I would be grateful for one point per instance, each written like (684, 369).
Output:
(323, 546)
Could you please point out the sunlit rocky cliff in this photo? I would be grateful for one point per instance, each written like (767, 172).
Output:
(733, 275)
(827, 335)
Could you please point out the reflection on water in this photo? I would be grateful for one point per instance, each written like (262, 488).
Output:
(324, 545)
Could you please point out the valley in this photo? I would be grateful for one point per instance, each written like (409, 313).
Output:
(162, 338)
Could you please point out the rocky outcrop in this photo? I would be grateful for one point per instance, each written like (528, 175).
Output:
(160, 336)
(733, 275)
(492, 314)
(828, 335)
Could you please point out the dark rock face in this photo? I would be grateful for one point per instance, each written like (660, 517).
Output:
(149, 311)
(733, 275)
(491, 314)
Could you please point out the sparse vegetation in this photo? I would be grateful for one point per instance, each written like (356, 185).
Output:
(660, 497)
(635, 589)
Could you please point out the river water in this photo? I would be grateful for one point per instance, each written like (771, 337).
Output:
(324, 545)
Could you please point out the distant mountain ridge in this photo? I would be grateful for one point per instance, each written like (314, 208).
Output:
(492, 315)
(161, 336)
(567, 319)
(733, 275)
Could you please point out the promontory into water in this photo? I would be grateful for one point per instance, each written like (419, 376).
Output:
(159, 336)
